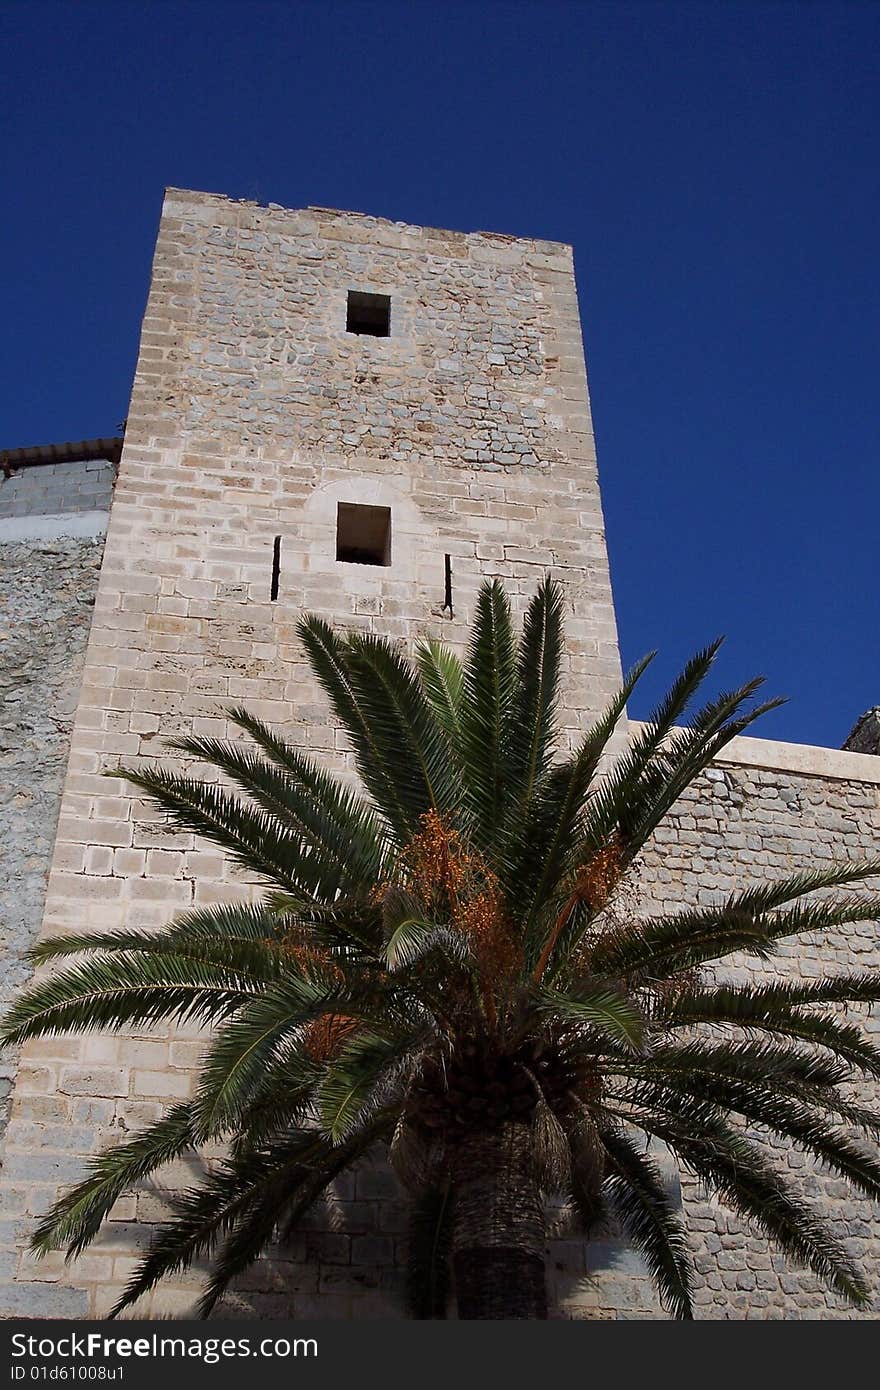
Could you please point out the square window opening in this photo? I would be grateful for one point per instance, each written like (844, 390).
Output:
(363, 534)
(369, 313)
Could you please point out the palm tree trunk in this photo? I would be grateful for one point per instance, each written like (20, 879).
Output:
(499, 1230)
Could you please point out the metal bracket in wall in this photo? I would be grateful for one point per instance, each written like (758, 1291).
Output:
(447, 600)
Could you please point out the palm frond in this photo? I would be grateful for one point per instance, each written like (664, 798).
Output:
(442, 677)
(762, 897)
(775, 1008)
(533, 726)
(403, 725)
(353, 816)
(329, 659)
(429, 1245)
(288, 1194)
(664, 946)
(644, 758)
(265, 1178)
(359, 1080)
(746, 1003)
(223, 926)
(75, 1219)
(611, 1013)
(638, 1197)
(647, 780)
(542, 856)
(739, 1060)
(329, 847)
(255, 957)
(245, 1047)
(485, 712)
(253, 838)
(674, 704)
(128, 988)
(414, 937)
(807, 1127)
(746, 1183)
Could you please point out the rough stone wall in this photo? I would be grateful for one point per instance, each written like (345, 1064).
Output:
(253, 415)
(744, 824)
(52, 522)
(865, 737)
(47, 589)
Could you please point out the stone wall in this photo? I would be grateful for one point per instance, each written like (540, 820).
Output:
(52, 520)
(254, 415)
(53, 490)
(741, 824)
(46, 594)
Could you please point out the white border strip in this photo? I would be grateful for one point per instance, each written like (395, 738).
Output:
(83, 525)
(803, 758)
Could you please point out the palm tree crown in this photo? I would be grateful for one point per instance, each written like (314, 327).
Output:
(437, 965)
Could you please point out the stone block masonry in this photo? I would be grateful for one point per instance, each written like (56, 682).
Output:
(254, 417)
(55, 489)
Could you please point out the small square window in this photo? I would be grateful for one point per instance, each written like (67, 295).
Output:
(369, 313)
(363, 534)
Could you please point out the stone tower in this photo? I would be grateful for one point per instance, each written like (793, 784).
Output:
(330, 412)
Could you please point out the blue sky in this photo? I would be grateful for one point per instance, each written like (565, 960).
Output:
(714, 165)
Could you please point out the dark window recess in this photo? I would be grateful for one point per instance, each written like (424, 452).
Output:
(363, 534)
(276, 568)
(368, 313)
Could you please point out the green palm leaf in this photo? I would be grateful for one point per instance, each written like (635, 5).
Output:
(241, 937)
(403, 727)
(254, 839)
(667, 945)
(345, 808)
(442, 677)
(329, 660)
(485, 713)
(326, 845)
(357, 1081)
(128, 989)
(545, 852)
(612, 1013)
(244, 1049)
(266, 1178)
(745, 1182)
(76, 1218)
(413, 938)
(533, 728)
(640, 1201)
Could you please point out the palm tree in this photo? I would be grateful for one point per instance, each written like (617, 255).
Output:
(440, 965)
